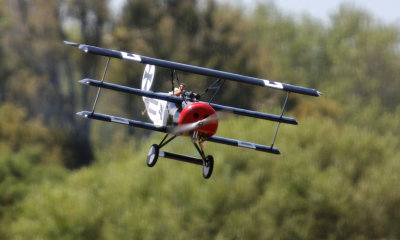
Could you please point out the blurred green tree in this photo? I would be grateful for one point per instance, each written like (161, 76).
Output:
(363, 56)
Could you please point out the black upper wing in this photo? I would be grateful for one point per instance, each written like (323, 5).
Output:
(195, 69)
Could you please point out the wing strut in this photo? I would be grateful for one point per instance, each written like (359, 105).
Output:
(216, 87)
(99, 89)
(279, 123)
(174, 74)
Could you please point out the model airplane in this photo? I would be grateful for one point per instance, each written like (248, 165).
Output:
(180, 112)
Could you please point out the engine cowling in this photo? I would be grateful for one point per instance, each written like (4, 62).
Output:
(198, 111)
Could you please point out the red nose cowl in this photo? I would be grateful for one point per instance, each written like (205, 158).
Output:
(198, 111)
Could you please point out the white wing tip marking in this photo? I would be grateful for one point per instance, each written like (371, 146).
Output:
(272, 84)
(247, 145)
(131, 56)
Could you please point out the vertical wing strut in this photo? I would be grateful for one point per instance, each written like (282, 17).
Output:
(99, 89)
(279, 123)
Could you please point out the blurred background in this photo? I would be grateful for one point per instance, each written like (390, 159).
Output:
(63, 177)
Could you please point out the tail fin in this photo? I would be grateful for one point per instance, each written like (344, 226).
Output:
(156, 109)
(148, 77)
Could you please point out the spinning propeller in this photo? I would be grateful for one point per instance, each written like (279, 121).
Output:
(180, 129)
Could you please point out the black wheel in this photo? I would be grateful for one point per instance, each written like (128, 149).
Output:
(208, 166)
(152, 155)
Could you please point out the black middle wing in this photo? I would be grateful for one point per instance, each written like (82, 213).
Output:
(174, 99)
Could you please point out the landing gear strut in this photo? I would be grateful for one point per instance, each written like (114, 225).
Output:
(208, 162)
(154, 153)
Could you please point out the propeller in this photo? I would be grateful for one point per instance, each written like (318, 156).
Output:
(178, 130)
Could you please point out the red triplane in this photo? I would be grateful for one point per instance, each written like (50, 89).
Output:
(181, 112)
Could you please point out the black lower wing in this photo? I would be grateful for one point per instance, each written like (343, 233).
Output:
(149, 126)
(237, 143)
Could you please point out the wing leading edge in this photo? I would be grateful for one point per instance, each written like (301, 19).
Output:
(195, 69)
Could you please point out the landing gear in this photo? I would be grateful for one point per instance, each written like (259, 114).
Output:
(206, 162)
(152, 155)
(154, 151)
